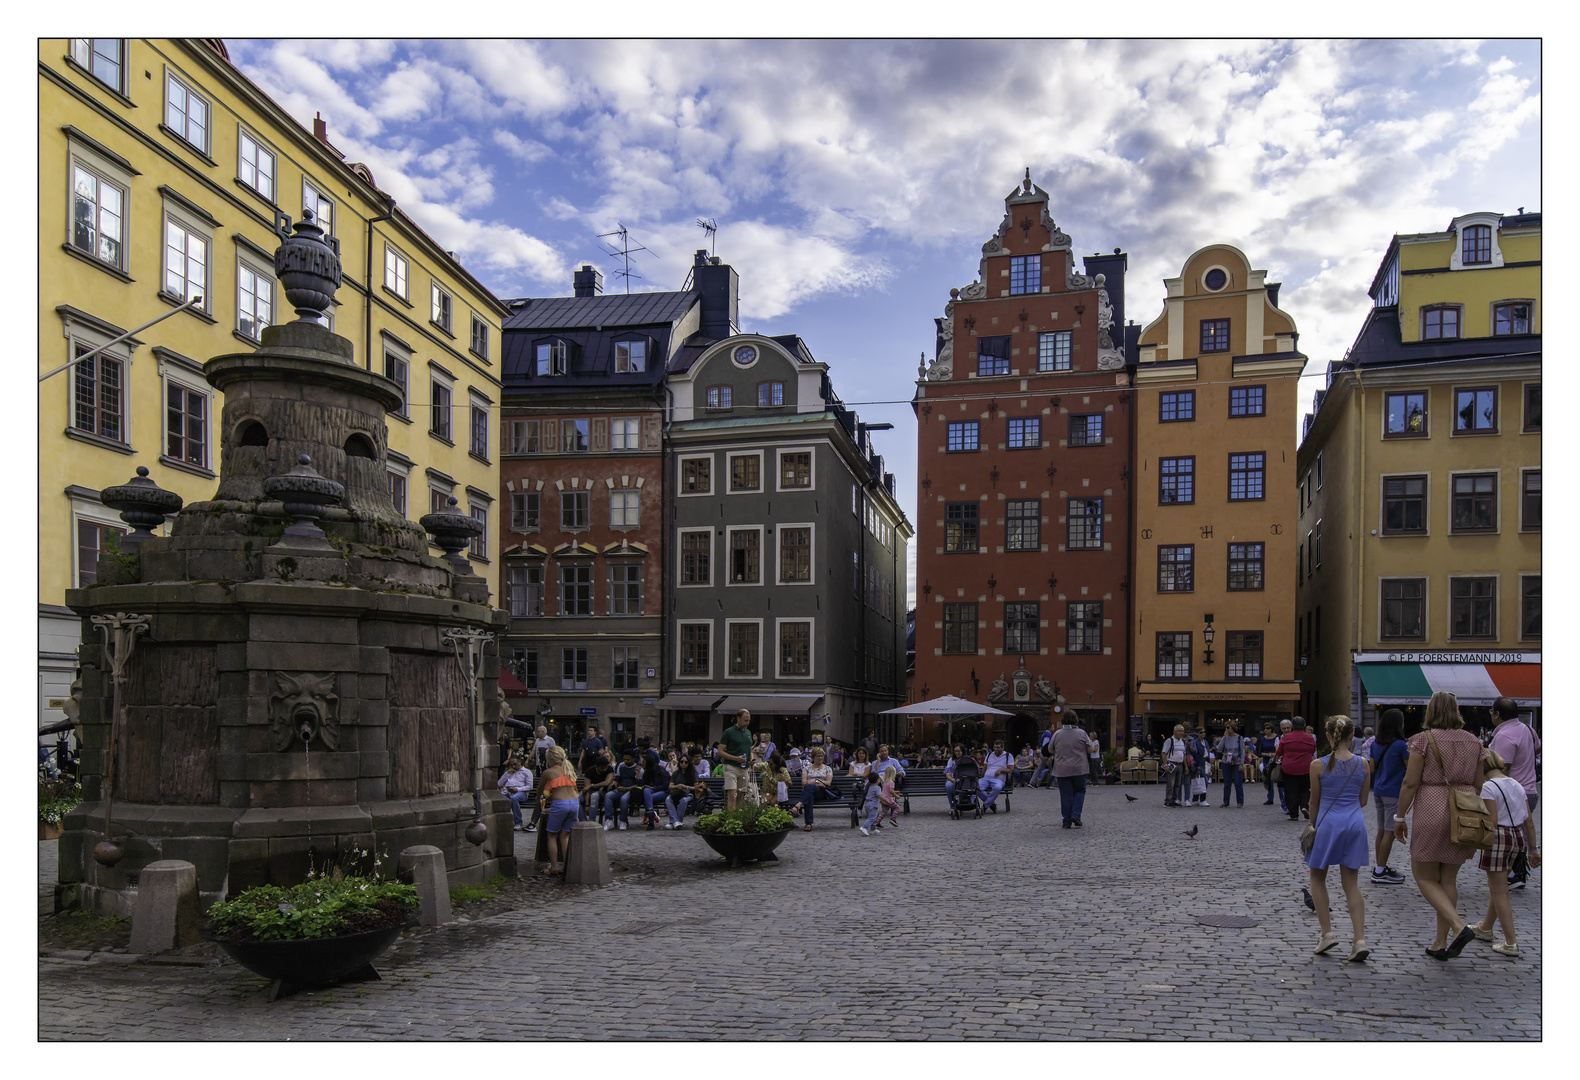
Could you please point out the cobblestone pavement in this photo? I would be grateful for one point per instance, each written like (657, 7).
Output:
(985, 929)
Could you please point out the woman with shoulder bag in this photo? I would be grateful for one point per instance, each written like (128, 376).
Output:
(1339, 788)
(1444, 758)
(1231, 755)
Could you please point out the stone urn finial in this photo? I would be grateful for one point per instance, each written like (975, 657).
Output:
(452, 531)
(304, 494)
(143, 505)
(307, 264)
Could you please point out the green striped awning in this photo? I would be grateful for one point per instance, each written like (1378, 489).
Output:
(1395, 684)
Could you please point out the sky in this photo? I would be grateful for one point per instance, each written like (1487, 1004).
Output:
(853, 182)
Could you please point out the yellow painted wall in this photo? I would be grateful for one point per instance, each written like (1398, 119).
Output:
(1477, 288)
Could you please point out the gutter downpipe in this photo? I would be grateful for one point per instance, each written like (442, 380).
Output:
(367, 312)
(1360, 556)
(1131, 700)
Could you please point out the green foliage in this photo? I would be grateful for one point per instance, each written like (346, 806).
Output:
(1110, 760)
(317, 908)
(469, 894)
(748, 819)
(56, 799)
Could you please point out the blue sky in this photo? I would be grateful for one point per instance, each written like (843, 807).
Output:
(853, 182)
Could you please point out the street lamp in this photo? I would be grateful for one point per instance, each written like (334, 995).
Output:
(1207, 635)
(468, 644)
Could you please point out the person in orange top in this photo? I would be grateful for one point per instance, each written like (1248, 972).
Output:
(559, 799)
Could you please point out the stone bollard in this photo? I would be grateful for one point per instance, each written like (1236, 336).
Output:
(588, 861)
(426, 864)
(167, 914)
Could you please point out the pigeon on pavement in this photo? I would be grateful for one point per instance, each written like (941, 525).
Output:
(1130, 798)
(1305, 894)
(1191, 832)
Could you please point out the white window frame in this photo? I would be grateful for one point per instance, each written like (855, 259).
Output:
(184, 133)
(255, 266)
(680, 646)
(397, 469)
(811, 647)
(437, 378)
(628, 493)
(435, 487)
(478, 548)
(523, 496)
(436, 293)
(243, 137)
(397, 268)
(477, 402)
(195, 229)
(680, 559)
(94, 513)
(680, 475)
(403, 354)
(558, 358)
(103, 171)
(479, 326)
(641, 593)
(190, 382)
(518, 447)
(627, 344)
(573, 492)
(568, 428)
(629, 438)
(314, 199)
(78, 334)
(758, 676)
(729, 458)
(779, 454)
(779, 528)
(729, 550)
(81, 52)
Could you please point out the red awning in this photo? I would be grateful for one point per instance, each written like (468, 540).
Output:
(511, 685)
(1522, 682)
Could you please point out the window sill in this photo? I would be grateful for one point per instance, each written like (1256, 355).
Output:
(99, 440)
(399, 416)
(177, 302)
(186, 467)
(443, 329)
(267, 200)
(1473, 532)
(475, 456)
(396, 295)
(246, 340)
(966, 450)
(473, 557)
(1390, 435)
(1248, 416)
(175, 135)
(1471, 434)
(113, 271)
(481, 356)
(1404, 532)
(440, 438)
(100, 83)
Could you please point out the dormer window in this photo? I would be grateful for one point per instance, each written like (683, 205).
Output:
(1477, 244)
(1440, 322)
(553, 357)
(630, 356)
(1025, 274)
(721, 397)
(1513, 318)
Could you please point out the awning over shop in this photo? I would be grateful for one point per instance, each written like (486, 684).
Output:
(689, 702)
(511, 685)
(1220, 691)
(1472, 684)
(779, 704)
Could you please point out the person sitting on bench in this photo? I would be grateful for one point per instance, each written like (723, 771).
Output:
(817, 782)
(684, 786)
(515, 783)
(626, 781)
(600, 778)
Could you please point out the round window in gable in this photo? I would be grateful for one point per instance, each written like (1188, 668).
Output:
(1216, 279)
(745, 356)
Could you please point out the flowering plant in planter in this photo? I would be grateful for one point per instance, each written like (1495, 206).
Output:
(328, 904)
(56, 799)
(748, 819)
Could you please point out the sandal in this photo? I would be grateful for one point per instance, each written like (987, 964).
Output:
(806, 828)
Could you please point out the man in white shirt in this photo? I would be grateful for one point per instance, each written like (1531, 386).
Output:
(1174, 747)
(995, 773)
(515, 783)
(1094, 754)
(540, 745)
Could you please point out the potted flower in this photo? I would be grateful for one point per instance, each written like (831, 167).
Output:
(1110, 766)
(56, 799)
(751, 832)
(327, 930)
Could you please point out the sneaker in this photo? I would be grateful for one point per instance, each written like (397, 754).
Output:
(1326, 942)
(1481, 935)
(608, 826)
(1506, 948)
(1269, 802)
(530, 828)
(1387, 876)
(864, 831)
(621, 826)
(1076, 822)
(1520, 884)
(1359, 951)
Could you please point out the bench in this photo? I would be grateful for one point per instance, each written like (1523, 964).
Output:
(848, 788)
(921, 783)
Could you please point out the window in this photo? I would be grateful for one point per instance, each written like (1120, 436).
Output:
(1176, 568)
(746, 472)
(523, 437)
(398, 492)
(1473, 603)
(745, 552)
(98, 216)
(439, 411)
(1245, 567)
(795, 649)
(186, 262)
(1476, 502)
(97, 401)
(721, 397)
(625, 667)
(1176, 405)
(323, 208)
(574, 509)
(1531, 499)
(1404, 608)
(1531, 606)
(479, 427)
(1025, 274)
(696, 553)
(91, 538)
(1404, 504)
(1476, 410)
(524, 510)
(1314, 539)
(573, 436)
(1319, 470)
(1244, 654)
(960, 629)
(438, 499)
(254, 299)
(1021, 627)
(256, 169)
(104, 58)
(1406, 414)
(1511, 319)
(1086, 430)
(855, 574)
(1308, 487)
(795, 553)
(1300, 564)
(1246, 475)
(1215, 279)
(186, 114)
(186, 425)
(479, 337)
(552, 358)
(630, 357)
(696, 476)
(1215, 335)
(526, 664)
(1533, 407)
(1025, 433)
(625, 588)
(1084, 525)
(1248, 401)
(440, 307)
(1476, 244)
(795, 469)
(573, 669)
(395, 271)
(770, 394)
(1053, 351)
(993, 355)
(1173, 657)
(964, 435)
(623, 433)
(398, 372)
(1439, 323)
(625, 509)
(694, 640)
(1083, 628)
(961, 521)
(1023, 525)
(1176, 480)
(745, 649)
(478, 546)
(576, 589)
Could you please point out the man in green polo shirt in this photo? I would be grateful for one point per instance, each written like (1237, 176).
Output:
(735, 750)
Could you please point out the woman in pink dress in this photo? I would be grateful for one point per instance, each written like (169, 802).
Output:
(1443, 755)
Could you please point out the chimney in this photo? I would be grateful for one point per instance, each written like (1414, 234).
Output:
(718, 286)
(1272, 292)
(587, 281)
(320, 129)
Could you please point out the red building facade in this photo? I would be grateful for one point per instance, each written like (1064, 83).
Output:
(1023, 504)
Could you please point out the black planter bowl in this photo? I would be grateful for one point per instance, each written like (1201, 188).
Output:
(302, 963)
(745, 847)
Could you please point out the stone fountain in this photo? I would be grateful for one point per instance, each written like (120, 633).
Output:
(282, 665)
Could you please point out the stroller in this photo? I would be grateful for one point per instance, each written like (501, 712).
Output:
(968, 795)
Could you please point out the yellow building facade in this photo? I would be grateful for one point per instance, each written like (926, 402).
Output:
(1419, 558)
(1215, 511)
(161, 171)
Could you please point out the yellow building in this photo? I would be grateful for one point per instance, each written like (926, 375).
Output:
(161, 171)
(1420, 483)
(1217, 383)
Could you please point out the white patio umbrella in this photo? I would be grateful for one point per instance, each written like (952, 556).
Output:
(949, 705)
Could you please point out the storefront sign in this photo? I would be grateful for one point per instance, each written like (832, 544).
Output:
(1448, 658)
(588, 710)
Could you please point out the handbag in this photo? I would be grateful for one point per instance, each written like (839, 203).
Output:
(1308, 835)
(1469, 823)
(1278, 772)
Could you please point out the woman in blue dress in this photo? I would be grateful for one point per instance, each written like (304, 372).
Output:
(1339, 789)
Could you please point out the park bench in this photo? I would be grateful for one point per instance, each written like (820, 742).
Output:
(920, 783)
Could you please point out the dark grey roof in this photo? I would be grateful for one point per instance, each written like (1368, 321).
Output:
(618, 309)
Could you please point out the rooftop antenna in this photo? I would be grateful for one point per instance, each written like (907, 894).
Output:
(624, 251)
(709, 227)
